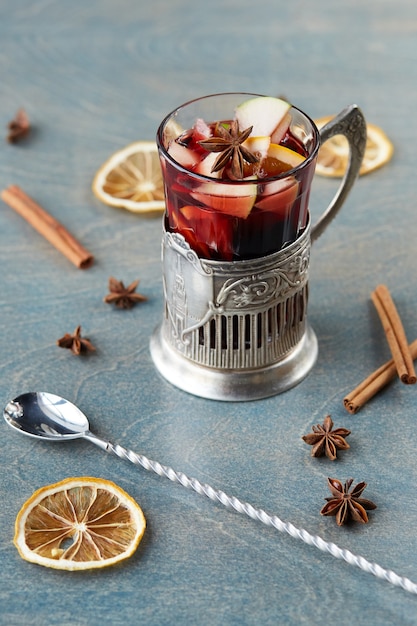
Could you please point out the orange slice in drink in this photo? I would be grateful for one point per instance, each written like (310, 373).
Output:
(284, 157)
(78, 524)
(334, 153)
(132, 179)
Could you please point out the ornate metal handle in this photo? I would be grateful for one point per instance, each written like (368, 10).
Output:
(351, 123)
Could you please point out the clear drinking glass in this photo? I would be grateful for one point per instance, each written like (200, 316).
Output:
(230, 220)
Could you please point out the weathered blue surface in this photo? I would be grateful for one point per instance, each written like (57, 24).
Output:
(94, 76)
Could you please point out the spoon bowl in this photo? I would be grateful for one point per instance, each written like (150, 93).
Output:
(46, 416)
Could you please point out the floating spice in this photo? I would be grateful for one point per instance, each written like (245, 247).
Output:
(229, 144)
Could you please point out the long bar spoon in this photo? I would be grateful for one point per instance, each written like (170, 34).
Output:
(46, 416)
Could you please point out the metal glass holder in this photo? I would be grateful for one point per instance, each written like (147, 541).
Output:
(238, 330)
(234, 330)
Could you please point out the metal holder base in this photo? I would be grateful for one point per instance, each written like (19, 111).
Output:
(234, 385)
(234, 330)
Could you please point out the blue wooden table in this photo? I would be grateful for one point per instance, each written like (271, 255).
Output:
(93, 77)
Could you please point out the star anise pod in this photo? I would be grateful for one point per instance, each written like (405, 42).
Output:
(121, 296)
(76, 343)
(325, 440)
(19, 127)
(347, 505)
(229, 144)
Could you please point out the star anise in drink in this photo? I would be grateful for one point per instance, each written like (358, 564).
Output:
(19, 127)
(327, 441)
(121, 296)
(76, 342)
(229, 144)
(345, 504)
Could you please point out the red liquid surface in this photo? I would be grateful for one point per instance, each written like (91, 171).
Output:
(252, 219)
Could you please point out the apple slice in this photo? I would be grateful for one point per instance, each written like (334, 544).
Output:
(184, 222)
(257, 145)
(183, 155)
(278, 196)
(263, 113)
(201, 130)
(205, 166)
(236, 200)
(279, 132)
(210, 235)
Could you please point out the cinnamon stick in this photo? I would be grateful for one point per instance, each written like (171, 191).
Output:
(47, 226)
(394, 332)
(374, 383)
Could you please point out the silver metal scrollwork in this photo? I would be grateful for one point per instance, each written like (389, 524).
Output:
(240, 314)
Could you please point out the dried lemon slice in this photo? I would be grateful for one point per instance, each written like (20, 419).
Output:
(78, 524)
(132, 179)
(334, 153)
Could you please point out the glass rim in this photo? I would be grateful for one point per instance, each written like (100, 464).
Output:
(258, 181)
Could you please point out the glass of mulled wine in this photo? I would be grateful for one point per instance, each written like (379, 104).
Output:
(238, 169)
(228, 217)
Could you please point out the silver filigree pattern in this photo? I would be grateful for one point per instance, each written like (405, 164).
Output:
(241, 314)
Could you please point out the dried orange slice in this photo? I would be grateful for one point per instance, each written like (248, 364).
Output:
(132, 179)
(78, 524)
(334, 153)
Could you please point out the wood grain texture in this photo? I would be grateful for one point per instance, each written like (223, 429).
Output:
(94, 76)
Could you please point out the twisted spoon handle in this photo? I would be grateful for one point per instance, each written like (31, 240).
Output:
(256, 514)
